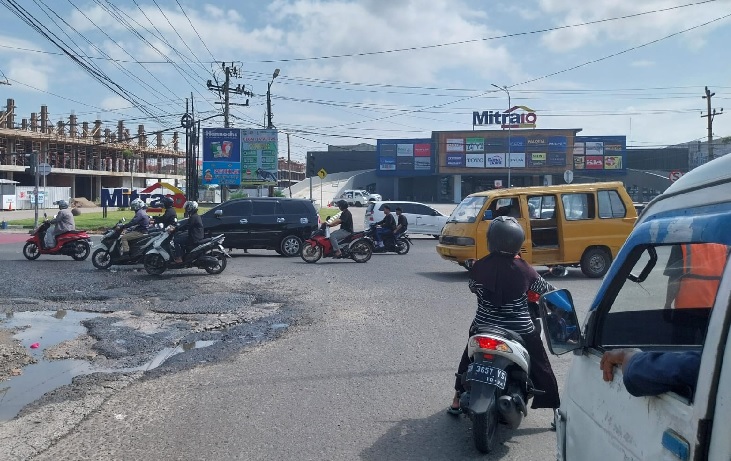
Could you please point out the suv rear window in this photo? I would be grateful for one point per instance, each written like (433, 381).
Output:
(293, 207)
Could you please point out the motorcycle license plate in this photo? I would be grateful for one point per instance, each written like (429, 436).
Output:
(486, 374)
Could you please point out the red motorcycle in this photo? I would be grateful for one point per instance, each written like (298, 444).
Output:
(76, 244)
(355, 247)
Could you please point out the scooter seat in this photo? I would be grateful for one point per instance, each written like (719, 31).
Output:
(495, 330)
(73, 232)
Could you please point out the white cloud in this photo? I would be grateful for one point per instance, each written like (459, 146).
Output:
(114, 103)
(642, 63)
(29, 74)
(633, 30)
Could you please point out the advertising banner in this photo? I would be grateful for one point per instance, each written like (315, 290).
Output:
(404, 157)
(475, 160)
(455, 145)
(221, 156)
(517, 144)
(579, 148)
(475, 144)
(537, 159)
(594, 162)
(579, 162)
(557, 143)
(612, 162)
(405, 150)
(536, 144)
(456, 160)
(495, 161)
(259, 157)
(594, 148)
(517, 160)
(556, 159)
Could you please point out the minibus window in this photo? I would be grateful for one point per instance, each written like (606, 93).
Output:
(611, 205)
(578, 206)
(468, 210)
(670, 308)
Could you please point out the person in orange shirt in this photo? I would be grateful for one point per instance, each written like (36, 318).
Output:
(694, 272)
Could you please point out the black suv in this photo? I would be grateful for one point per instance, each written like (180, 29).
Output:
(270, 223)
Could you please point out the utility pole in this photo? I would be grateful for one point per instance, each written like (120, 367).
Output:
(289, 169)
(269, 100)
(710, 115)
(226, 90)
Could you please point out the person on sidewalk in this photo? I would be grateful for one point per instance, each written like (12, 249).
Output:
(64, 222)
(346, 227)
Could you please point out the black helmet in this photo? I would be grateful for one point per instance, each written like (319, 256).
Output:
(342, 204)
(167, 202)
(505, 236)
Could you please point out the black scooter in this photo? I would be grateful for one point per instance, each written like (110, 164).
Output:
(399, 244)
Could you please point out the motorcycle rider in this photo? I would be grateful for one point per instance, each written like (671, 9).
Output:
(501, 281)
(137, 227)
(385, 225)
(64, 222)
(169, 218)
(194, 228)
(402, 224)
(345, 221)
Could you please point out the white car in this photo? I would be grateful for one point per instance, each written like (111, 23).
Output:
(374, 197)
(422, 219)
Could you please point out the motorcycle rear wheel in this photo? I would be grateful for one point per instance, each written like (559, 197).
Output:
(31, 251)
(81, 250)
(484, 428)
(402, 246)
(311, 254)
(221, 263)
(155, 264)
(101, 259)
(360, 251)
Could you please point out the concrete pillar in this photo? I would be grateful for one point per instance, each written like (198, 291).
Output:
(33, 121)
(44, 119)
(73, 186)
(10, 119)
(457, 187)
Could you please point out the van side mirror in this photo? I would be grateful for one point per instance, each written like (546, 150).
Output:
(487, 216)
(218, 213)
(560, 323)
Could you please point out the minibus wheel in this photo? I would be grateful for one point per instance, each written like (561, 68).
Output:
(595, 262)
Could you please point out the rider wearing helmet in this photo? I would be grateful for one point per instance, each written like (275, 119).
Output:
(194, 228)
(501, 281)
(170, 216)
(137, 227)
(64, 222)
(346, 227)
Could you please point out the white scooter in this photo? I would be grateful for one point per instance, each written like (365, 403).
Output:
(209, 254)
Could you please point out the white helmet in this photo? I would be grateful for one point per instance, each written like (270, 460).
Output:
(190, 206)
(136, 204)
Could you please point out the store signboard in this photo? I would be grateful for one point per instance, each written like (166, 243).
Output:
(594, 162)
(556, 159)
(404, 150)
(475, 160)
(387, 164)
(405, 157)
(557, 143)
(517, 143)
(517, 160)
(455, 145)
(475, 144)
(495, 161)
(600, 154)
(221, 156)
(537, 159)
(259, 154)
(455, 160)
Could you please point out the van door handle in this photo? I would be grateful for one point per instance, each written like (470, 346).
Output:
(281, 219)
(243, 221)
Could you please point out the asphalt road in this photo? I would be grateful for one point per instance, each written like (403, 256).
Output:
(364, 371)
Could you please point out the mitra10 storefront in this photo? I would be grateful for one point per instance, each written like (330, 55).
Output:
(474, 161)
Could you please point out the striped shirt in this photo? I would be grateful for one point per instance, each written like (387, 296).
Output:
(512, 315)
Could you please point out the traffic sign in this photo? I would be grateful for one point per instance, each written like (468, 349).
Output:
(675, 175)
(44, 169)
(322, 173)
(568, 176)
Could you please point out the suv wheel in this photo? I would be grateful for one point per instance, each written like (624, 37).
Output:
(291, 245)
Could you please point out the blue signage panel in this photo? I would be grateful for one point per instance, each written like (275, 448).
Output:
(221, 156)
(405, 157)
(601, 155)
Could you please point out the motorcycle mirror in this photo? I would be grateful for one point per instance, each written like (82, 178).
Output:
(560, 322)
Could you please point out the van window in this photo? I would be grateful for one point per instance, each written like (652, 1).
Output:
(236, 208)
(293, 207)
(666, 298)
(611, 205)
(468, 210)
(578, 206)
(509, 206)
(542, 206)
(264, 207)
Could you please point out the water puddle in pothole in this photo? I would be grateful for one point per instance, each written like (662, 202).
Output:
(48, 329)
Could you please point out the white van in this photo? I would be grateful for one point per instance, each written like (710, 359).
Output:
(636, 309)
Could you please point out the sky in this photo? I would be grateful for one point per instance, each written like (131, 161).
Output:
(352, 72)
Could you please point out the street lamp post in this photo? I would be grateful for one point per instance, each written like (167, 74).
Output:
(505, 89)
(269, 100)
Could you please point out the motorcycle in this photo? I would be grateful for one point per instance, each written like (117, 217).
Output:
(76, 243)
(399, 244)
(208, 254)
(356, 246)
(110, 252)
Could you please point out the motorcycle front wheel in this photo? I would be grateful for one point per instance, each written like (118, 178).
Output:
(402, 246)
(31, 251)
(311, 254)
(484, 428)
(81, 250)
(155, 264)
(217, 269)
(101, 259)
(360, 251)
